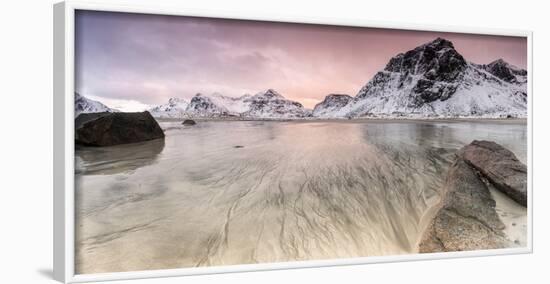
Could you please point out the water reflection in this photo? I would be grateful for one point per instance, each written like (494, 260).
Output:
(116, 159)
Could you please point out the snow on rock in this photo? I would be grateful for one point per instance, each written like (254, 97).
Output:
(330, 106)
(264, 105)
(85, 105)
(234, 106)
(175, 108)
(434, 80)
(505, 71)
(270, 104)
(203, 106)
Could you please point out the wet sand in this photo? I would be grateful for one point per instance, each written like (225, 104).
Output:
(238, 192)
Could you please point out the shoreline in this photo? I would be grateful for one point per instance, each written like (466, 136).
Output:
(355, 120)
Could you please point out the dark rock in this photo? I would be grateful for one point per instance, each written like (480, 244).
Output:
(466, 218)
(188, 122)
(436, 60)
(437, 65)
(116, 128)
(238, 146)
(85, 117)
(500, 166)
(504, 71)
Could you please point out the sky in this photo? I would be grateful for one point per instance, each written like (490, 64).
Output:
(134, 61)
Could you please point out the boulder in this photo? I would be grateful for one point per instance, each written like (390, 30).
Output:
(499, 166)
(189, 122)
(466, 218)
(108, 129)
(85, 117)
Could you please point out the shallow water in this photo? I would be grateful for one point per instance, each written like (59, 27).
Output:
(237, 192)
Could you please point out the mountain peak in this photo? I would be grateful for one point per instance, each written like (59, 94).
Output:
(440, 43)
(174, 108)
(505, 71)
(434, 68)
(436, 60)
(337, 97)
(332, 103)
(499, 61)
(269, 94)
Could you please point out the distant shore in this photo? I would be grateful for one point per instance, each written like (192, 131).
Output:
(354, 120)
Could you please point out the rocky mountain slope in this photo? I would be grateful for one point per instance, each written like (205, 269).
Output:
(434, 80)
(85, 105)
(331, 104)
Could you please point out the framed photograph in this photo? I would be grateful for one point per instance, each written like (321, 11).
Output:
(193, 143)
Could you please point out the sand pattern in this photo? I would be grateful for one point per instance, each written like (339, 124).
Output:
(290, 191)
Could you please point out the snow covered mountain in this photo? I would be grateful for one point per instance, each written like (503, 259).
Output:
(175, 108)
(85, 105)
(265, 105)
(434, 80)
(233, 106)
(270, 104)
(505, 71)
(206, 106)
(331, 104)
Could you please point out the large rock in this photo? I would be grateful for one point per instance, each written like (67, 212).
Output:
(466, 218)
(108, 129)
(85, 117)
(499, 166)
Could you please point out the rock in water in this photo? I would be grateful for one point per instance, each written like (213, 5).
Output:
(466, 219)
(189, 122)
(118, 128)
(500, 167)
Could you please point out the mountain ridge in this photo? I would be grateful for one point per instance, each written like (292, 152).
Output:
(268, 104)
(432, 80)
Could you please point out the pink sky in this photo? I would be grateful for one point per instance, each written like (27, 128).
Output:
(132, 60)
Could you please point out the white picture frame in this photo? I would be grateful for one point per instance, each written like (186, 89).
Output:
(64, 70)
